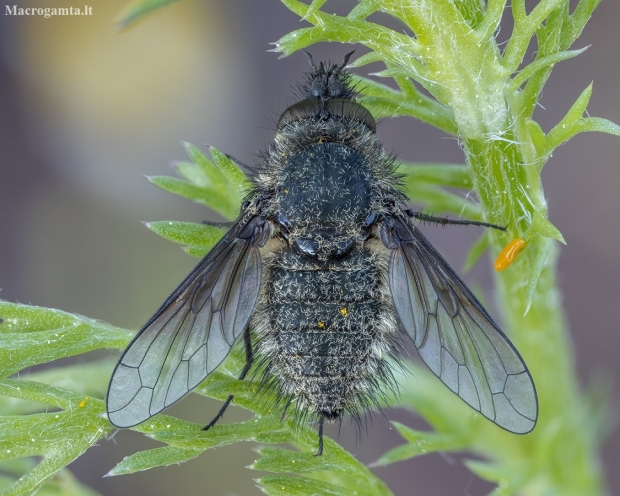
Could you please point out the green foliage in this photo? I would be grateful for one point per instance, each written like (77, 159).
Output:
(62, 483)
(56, 422)
(57, 414)
(484, 95)
(72, 396)
(216, 184)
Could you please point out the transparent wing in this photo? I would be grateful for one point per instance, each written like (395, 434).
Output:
(192, 332)
(454, 334)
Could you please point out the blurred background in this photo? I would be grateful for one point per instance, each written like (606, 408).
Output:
(86, 112)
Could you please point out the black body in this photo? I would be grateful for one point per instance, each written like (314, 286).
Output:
(324, 293)
(322, 274)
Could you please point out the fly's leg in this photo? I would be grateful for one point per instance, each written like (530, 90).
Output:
(445, 221)
(320, 450)
(249, 358)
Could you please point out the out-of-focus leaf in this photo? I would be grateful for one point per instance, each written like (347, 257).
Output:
(420, 443)
(138, 10)
(192, 174)
(62, 484)
(476, 251)
(437, 199)
(446, 175)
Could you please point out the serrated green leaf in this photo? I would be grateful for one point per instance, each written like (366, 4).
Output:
(542, 226)
(315, 6)
(588, 124)
(335, 28)
(217, 199)
(210, 169)
(536, 137)
(282, 485)
(59, 437)
(218, 435)
(421, 443)
(157, 457)
(543, 249)
(188, 233)
(196, 251)
(281, 436)
(384, 101)
(192, 174)
(578, 19)
(282, 460)
(33, 335)
(541, 63)
(138, 10)
(217, 186)
(574, 114)
(229, 170)
(88, 379)
(62, 484)
(367, 58)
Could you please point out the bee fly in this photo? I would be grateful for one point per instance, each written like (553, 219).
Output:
(320, 276)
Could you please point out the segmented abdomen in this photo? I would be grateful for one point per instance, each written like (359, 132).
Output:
(328, 331)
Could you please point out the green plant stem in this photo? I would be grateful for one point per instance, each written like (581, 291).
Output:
(534, 319)
(544, 342)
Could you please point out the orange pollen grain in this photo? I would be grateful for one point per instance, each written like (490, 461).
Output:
(509, 253)
(343, 312)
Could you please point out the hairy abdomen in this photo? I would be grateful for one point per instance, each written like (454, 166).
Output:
(328, 332)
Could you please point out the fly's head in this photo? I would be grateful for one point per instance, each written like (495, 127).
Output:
(328, 81)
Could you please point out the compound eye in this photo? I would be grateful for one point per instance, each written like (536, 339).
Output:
(339, 107)
(310, 107)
